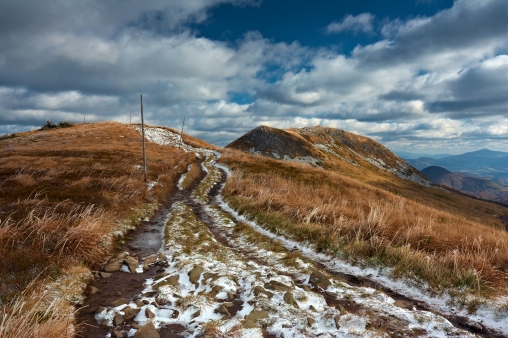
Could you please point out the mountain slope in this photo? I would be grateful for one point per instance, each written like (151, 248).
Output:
(327, 148)
(478, 187)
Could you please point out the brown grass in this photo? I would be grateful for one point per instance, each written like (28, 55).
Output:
(63, 193)
(371, 225)
(192, 174)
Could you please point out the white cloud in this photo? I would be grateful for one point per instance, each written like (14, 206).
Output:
(361, 23)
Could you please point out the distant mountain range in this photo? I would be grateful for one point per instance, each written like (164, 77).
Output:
(412, 155)
(483, 163)
(479, 187)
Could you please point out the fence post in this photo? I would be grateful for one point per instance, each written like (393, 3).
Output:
(143, 135)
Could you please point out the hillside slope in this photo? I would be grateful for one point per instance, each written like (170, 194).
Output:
(327, 148)
(479, 187)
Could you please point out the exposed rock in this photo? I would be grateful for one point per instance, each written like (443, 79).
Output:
(132, 263)
(117, 334)
(130, 312)
(113, 266)
(149, 260)
(118, 302)
(252, 319)
(277, 286)
(196, 314)
(136, 326)
(290, 299)
(260, 290)
(404, 304)
(105, 274)
(223, 310)
(147, 331)
(93, 290)
(320, 280)
(99, 309)
(163, 257)
(228, 304)
(231, 296)
(149, 314)
(139, 303)
(310, 321)
(118, 319)
(312, 308)
(194, 275)
(175, 314)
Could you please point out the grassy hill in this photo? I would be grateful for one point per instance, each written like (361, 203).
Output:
(67, 195)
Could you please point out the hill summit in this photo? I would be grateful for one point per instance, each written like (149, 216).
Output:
(325, 147)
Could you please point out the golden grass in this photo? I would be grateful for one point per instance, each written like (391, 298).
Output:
(370, 225)
(192, 174)
(63, 193)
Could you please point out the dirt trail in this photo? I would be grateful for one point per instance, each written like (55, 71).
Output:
(214, 275)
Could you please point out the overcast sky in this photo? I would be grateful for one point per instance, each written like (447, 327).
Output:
(417, 75)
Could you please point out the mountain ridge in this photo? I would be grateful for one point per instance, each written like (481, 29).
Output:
(325, 147)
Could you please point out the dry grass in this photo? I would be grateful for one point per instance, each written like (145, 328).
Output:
(63, 193)
(370, 225)
(192, 174)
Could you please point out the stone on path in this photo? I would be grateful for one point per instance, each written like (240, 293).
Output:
(277, 286)
(147, 331)
(149, 260)
(194, 275)
(117, 334)
(118, 302)
(130, 312)
(318, 279)
(132, 263)
(252, 319)
(223, 310)
(290, 299)
(118, 319)
(113, 265)
(260, 290)
(149, 314)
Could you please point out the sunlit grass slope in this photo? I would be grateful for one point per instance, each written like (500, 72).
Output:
(435, 237)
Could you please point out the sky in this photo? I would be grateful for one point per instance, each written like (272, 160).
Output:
(425, 76)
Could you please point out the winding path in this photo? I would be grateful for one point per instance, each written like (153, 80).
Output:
(214, 273)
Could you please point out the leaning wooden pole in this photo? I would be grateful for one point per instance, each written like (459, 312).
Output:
(143, 135)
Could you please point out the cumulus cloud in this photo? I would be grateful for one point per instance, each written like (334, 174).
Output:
(428, 82)
(360, 23)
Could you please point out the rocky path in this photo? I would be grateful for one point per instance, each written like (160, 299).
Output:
(212, 274)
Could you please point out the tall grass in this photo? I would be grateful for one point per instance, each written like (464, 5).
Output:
(368, 225)
(64, 196)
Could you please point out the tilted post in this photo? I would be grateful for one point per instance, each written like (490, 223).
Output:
(143, 135)
(181, 134)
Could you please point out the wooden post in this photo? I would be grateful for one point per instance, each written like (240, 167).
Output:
(143, 135)
(130, 115)
(181, 134)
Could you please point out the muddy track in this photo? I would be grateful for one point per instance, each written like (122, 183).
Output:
(147, 239)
